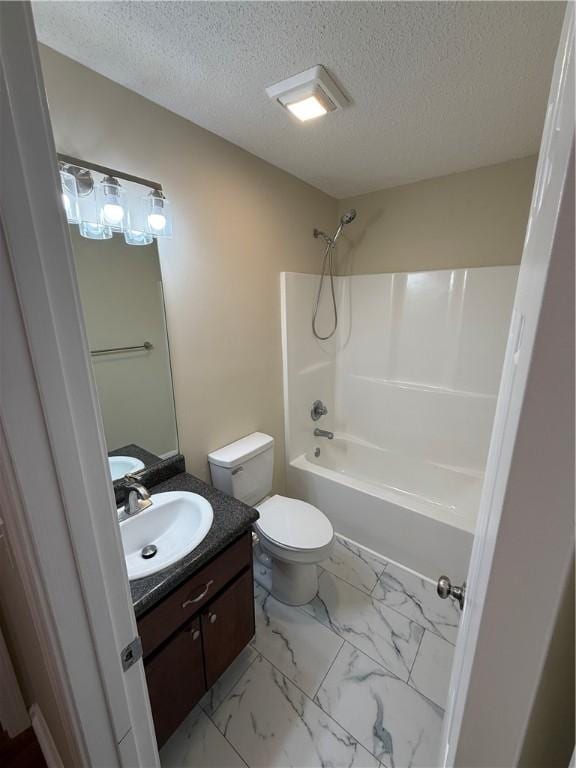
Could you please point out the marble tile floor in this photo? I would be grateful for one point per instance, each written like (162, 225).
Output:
(359, 677)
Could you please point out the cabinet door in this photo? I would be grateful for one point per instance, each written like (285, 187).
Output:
(228, 626)
(175, 676)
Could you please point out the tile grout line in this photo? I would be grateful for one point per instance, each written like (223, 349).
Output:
(228, 742)
(300, 609)
(318, 704)
(306, 696)
(416, 654)
(378, 581)
(235, 684)
(327, 714)
(362, 650)
(371, 593)
(209, 716)
(328, 672)
(390, 607)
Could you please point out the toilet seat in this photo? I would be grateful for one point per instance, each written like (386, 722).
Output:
(294, 527)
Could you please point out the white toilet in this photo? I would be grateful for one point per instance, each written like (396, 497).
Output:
(295, 535)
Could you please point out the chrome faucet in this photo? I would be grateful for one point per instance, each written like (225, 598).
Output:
(137, 498)
(323, 433)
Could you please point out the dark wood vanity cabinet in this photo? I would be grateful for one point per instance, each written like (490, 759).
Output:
(227, 626)
(192, 636)
(176, 680)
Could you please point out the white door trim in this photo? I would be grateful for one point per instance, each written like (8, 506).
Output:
(493, 600)
(52, 425)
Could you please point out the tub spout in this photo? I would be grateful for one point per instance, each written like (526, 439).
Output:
(323, 433)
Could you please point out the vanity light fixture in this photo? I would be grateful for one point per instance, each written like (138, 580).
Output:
(158, 216)
(103, 207)
(69, 196)
(308, 95)
(135, 237)
(94, 231)
(111, 196)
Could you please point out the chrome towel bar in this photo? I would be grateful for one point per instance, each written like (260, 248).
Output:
(115, 350)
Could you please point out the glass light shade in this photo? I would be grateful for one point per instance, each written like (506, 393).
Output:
(87, 202)
(111, 199)
(158, 215)
(70, 197)
(136, 237)
(95, 231)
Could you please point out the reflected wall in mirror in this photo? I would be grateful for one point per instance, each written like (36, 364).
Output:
(122, 299)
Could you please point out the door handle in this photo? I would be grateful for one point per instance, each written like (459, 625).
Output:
(446, 589)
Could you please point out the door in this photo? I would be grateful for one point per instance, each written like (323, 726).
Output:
(228, 626)
(524, 542)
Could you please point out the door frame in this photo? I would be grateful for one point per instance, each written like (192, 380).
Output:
(520, 563)
(62, 510)
(67, 516)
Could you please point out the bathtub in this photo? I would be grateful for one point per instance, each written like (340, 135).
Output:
(417, 513)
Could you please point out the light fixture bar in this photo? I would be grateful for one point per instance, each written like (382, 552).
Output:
(105, 171)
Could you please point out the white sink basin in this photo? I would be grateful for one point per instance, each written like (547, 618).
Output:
(121, 465)
(175, 524)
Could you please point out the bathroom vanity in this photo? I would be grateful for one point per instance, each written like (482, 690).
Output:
(196, 616)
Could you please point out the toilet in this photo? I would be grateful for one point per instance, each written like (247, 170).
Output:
(294, 535)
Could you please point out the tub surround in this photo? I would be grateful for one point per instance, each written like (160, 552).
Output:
(410, 381)
(232, 518)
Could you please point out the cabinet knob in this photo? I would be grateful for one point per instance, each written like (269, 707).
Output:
(213, 618)
(195, 634)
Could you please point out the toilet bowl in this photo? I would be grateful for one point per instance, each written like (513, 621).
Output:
(295, 535)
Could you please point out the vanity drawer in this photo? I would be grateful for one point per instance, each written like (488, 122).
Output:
(165, 618)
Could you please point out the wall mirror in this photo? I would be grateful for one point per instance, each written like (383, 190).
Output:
(120, 283)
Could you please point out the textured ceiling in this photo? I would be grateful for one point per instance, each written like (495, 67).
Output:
(435, 87)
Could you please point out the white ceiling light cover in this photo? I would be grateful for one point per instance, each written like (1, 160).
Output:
(309, 94)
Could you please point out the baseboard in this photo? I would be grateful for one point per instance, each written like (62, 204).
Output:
(47, 745)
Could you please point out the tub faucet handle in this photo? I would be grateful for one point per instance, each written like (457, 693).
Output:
(318, 410)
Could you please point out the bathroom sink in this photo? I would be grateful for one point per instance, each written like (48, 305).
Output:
(121, 465)
(164, 533)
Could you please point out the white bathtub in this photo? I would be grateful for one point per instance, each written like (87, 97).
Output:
(418, 513)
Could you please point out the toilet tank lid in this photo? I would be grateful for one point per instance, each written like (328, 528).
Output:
(236, 453)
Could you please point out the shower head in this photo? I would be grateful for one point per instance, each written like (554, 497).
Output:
(348, 217)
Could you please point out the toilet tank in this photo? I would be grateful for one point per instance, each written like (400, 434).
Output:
(244, 468)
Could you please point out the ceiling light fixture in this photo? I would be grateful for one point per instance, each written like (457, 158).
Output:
(308, 95)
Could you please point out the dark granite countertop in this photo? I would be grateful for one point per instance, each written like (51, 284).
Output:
(231, 519)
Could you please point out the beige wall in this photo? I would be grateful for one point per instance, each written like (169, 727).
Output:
(472, 219)
(121, 291)
(550, 735)
(238, 222)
